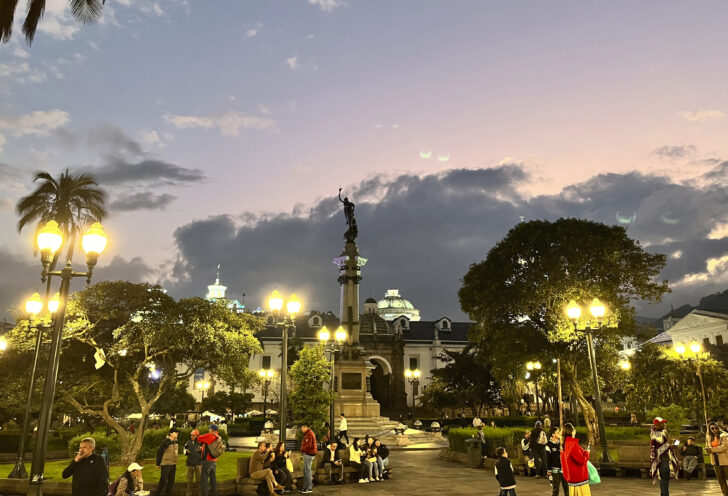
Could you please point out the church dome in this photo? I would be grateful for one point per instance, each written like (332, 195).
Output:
(370, 300)
(372, 323)
(394, 305)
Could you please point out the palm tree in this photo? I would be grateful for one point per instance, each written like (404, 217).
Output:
(72, 201)
(84, 11)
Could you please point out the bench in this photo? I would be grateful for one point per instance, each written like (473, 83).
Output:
(249, 487)
(637, 457)
(322, 472)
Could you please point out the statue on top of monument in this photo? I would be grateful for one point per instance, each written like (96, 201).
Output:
(351, 234)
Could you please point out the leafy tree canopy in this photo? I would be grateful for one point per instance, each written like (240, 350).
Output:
(310, 400)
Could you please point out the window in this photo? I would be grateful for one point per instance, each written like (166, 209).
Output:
(270, 320)
(316, 321)
(199, 375)
(445, 324)
(266, 362)
(719, 340)
(706, 341)
(414, 363)
(403, 323)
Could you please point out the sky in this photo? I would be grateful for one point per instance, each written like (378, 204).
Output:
(223, 130)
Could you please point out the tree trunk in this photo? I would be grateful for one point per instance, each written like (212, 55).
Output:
(590, 418)
(131, 444)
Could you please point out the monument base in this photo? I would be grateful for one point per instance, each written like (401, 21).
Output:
(353, 396)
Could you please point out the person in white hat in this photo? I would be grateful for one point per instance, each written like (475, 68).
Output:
(662, 456)
(130, 482)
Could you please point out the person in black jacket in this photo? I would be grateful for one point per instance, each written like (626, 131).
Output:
(553, 459)
(692, 456)
(90, 475)
(382, 457)
(504, 473)
(280, 469)
(332, 460)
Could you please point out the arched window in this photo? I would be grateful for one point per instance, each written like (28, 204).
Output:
(445, 324)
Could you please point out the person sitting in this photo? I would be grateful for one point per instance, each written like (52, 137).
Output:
(371, 460)
(480, 436)
(355, 459)
(332, 460)
(260, 464)
(692, 456)
(130, 481)
(280, 467)
(382, 458)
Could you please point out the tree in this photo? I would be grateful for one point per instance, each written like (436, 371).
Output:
(84, 11)
(466, 377)
(223, 403)
(174, 400)
(518, 294)
(310, 400)
(437, 396)
(72, 201)
(145, 343)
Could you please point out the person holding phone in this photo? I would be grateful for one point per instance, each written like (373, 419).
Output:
(692, 455)
(573, 463)
(662, 456)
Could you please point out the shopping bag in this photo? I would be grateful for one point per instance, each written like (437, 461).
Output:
(593, 474)
(289, 465)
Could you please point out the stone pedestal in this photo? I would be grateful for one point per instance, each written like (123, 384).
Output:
(354, 398)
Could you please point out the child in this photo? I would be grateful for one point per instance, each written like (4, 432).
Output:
(504, 473)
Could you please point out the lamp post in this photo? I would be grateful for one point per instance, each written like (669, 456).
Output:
(533, 368)
(695, 348)
(33, 307)
(49, 241)
(597, 310)
(202, 387)
(266, 375)
(413, 376)
(293, 308)
(337, 341)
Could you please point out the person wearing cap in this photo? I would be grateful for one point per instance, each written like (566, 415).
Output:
(89, 471)
(308, 450)
(193, 450)
(692, 456)
(131, 481)
(208, 478)
(167, 462)
(662, 456)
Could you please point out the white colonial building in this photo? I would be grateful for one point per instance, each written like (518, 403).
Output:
(701, 326)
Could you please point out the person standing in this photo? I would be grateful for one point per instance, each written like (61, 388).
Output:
(90, 476)
(573, 463)
(553, 459)
(504, 473)
(526, 452)
(480, 436)
(547, 423)
(538, 449)
(208, 477)
(167, 462)
(716, 443)
(692, 456)
(308, 450)
(343, 427)
(662, 456)
(193, 450)
(477, 422)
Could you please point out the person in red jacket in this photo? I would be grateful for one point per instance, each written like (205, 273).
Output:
(573, 464)
(309, 449)
(209, 464)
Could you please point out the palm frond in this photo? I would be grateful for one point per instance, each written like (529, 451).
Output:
(35, 12)
(7, 16)
(87, 11)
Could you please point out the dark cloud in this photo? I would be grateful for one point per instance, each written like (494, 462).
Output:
(142, 201)
(673, 152)
(151, 171)
(420, 234)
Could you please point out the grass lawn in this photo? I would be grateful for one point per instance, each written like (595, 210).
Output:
(227, 468)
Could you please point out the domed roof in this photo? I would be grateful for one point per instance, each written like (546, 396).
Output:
(393, 305)
(372, 323)
(370, 300)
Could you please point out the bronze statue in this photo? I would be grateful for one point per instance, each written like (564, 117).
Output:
(351, 234)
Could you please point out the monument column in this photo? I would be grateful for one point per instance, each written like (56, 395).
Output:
(350, 264)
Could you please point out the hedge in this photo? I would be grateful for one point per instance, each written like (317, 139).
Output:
(152, 439)
(57, 440)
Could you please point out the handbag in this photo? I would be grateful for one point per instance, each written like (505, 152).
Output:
(289, 465)
(531, 463)
(593, 474)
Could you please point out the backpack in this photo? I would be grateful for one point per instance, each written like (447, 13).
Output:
(216, 448)
(113, 487)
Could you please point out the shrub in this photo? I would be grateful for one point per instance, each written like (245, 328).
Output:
(9, 442)
(674, 414)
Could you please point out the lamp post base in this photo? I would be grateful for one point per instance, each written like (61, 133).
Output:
(606, 458)
(18, 471)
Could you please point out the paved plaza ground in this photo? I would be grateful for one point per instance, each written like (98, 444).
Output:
(422, 473)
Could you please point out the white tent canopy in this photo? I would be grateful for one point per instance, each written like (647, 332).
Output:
(213, 416)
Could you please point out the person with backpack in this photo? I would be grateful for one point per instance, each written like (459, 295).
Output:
(193, 450)
(129, 482)
(538, 449)
(167, 454)
(213, 447)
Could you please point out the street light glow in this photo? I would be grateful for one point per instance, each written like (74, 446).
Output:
(34, 304)
(680, 348)
(294, 305)
(50, 238)
(573, 310)
(275, 302)
(3, 343)
(324, 334)
(625, 365)
(696, 348)
(54, 303)
(95, 239)
(340, 334)
(597, 308)
(416, 373)
(408, 374)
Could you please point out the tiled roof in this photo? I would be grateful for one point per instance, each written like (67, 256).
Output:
(662, 338)
(425, 331)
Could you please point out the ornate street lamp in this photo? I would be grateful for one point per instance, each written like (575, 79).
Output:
(202, 387)
(50, 240)
(335, 345)
(598, 311)
(534, 368)
(293, 308)
(695, 348)
(33, 307)
(266, 375)
(413, 376)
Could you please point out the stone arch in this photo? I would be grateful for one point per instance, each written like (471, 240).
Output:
(386, 366)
